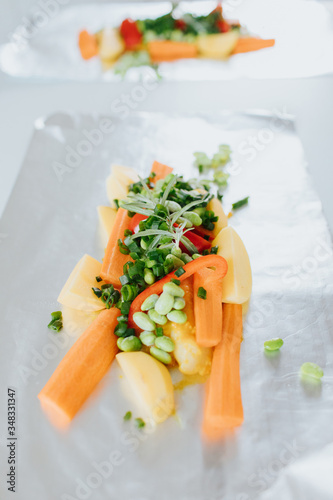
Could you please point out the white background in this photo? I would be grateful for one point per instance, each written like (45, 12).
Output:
(23, 101)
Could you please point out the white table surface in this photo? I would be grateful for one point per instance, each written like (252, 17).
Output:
(310, 100)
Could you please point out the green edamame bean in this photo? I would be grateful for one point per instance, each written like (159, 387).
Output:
(177, 317)
(173, 206)
(195, 256)
(179, 303)
(150, 302)
(181, 220)
(309, 370)
(130, 344)
(165, 343)
(193, 217)
(150, 263)
(186, 258)
(160, 355)
(119, 342)
(175, 260)
(164, 304)
(149, 277)
(147, 338)
(176, 251)
(143, 244)
(143, 321)
(273, 345)
(159, 319)
(200, 211)
(173, 289)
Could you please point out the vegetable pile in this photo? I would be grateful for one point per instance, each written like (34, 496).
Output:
(168, 38)
(158, 295)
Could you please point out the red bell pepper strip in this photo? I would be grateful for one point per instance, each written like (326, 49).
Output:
(223, 26)
(180, 24)
(199, 242)
(131, 34)
(204, 233)
(221, 268)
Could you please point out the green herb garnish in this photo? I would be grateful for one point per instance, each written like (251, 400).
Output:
(107, 294)
(56, 321)
(159, 331)
(240, 203)
(179, 272)
(139, 423)
(176, 282)
(128, 416)
(202, 293)
(217, 164)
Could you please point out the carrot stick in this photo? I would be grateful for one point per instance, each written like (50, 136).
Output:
(160, 170)
(81, 369)
(223, 408)
(208, 312)
(168, 50)
(114, 260)
(192, 267)
(87, 45)
(250, 44)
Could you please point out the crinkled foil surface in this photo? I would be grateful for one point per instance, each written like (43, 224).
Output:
(51, 221)
(45, 45)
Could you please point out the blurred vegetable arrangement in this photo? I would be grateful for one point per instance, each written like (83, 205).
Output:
(168, 295)
(168, 38)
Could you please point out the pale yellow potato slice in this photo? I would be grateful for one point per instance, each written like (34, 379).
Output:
(107, 216)
(150, 382)
(115, 189)
(237, 284)
(217, 46)
(216, 206)
(118, 181)
(77, 292)
(111, 44)
(126, 175)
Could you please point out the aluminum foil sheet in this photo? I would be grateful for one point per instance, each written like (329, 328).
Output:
(45, 44)
(51, 221)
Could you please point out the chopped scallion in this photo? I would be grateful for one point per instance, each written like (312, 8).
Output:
(240, 203)
(179, 272)
(159, 331)
(56, 322)
(139, 423)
